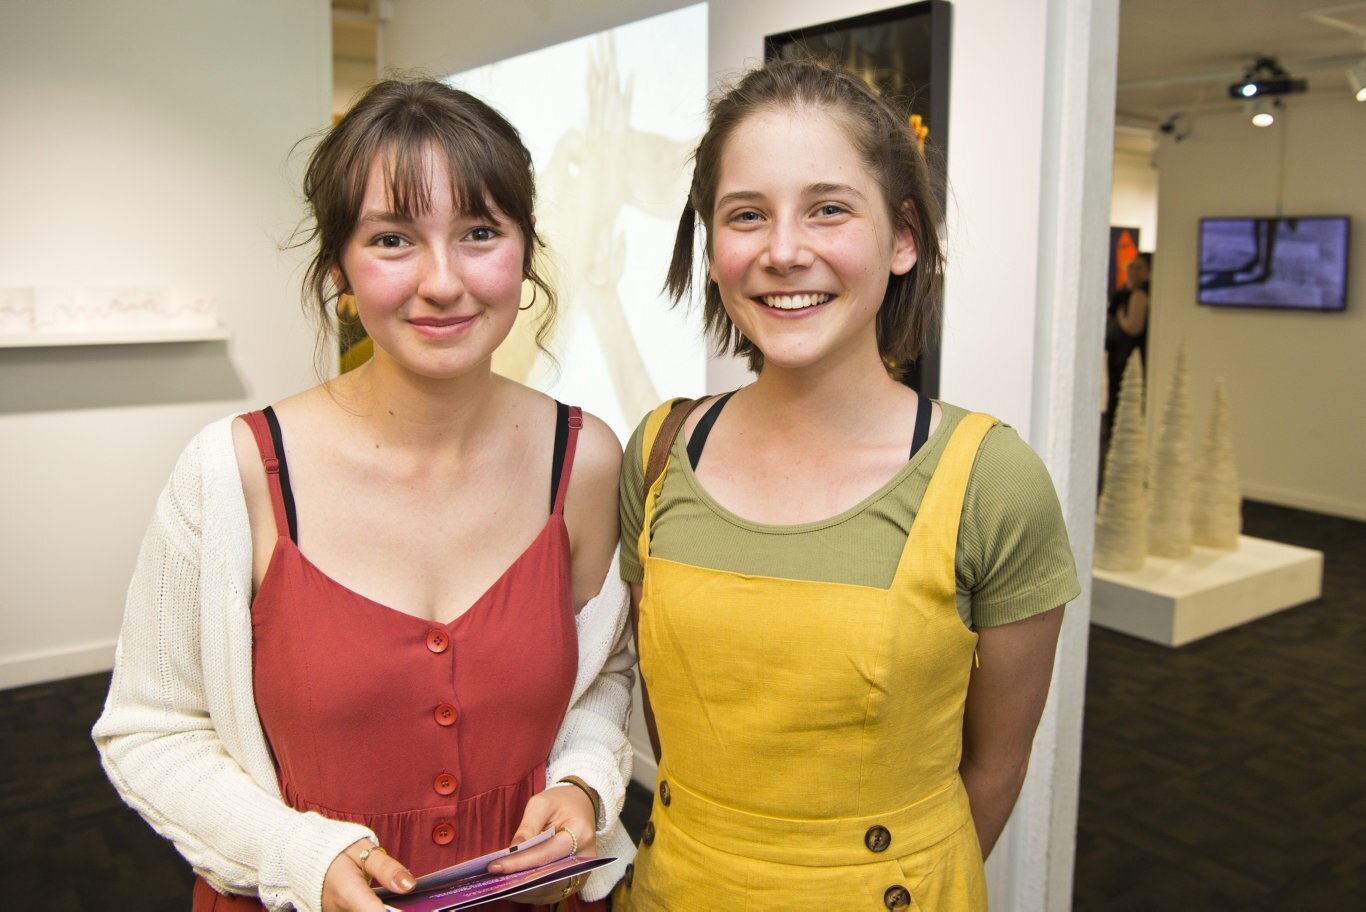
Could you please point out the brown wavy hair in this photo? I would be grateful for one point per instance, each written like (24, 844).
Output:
(398, 120)
(892, 153)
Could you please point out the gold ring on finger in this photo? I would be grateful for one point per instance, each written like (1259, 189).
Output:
(364, 855)
(573, 840)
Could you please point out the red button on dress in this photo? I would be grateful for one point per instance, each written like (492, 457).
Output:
(444, 784)
(445, 714)
(437, 641)
(443, 833)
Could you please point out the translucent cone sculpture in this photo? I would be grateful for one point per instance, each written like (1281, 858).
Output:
(1169, 484)
(1122, 517)
(1217, 503)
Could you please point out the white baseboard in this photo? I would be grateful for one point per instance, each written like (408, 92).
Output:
(37, 667)
(1304, 501)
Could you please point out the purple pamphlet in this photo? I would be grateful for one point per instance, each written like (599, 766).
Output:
(469, 884)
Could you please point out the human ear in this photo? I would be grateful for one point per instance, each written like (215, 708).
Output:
(339, 280)
(904, 254)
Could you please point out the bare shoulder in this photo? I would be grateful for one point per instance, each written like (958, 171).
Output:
(591, 506)
(597, 460)
(597, 454)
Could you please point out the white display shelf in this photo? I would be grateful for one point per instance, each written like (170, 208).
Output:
(1174, 602)
(138, 337)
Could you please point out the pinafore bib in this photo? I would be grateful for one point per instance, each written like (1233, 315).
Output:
(811, 731)
(433, 735)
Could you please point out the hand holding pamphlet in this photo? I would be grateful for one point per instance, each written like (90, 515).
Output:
(469, 883)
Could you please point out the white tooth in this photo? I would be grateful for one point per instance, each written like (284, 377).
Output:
(795, 302)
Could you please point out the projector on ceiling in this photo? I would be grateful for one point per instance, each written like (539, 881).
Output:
(1266, 77)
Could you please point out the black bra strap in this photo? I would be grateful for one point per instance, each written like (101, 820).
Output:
(922, 424)
(561, 442)
(286, 493)
(923, 411)
(699, 434)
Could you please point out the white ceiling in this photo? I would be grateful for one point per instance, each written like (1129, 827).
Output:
(1181, 55)
(1174, 55)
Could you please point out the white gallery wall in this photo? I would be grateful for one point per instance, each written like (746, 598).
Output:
(1133, 186)
(1295, 379)
(610, 137)
(147, 143)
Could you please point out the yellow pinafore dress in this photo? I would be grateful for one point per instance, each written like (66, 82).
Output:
(811, 731)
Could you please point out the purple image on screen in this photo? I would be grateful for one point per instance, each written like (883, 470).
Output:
(1298, 263)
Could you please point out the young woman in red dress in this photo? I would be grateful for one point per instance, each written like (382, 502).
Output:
(372, 631)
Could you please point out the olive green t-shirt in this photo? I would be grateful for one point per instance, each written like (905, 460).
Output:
(1013, 559)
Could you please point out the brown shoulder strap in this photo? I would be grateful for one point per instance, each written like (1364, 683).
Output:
(659, 455)
(664, 440)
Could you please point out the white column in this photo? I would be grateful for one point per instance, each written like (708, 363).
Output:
(1032, 867)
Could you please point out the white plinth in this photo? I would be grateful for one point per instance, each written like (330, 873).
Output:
(1173, 602)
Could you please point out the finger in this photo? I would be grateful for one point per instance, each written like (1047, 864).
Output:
(535, 819)
(553, 849)
(358, 898)
(349, 891)
(389, 872)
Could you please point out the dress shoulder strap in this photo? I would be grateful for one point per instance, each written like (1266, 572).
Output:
(568, 421)
(266, 430)
(931, 548)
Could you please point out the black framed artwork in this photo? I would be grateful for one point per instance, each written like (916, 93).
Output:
(903, 52)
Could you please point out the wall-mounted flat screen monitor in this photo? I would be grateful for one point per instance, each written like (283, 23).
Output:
(1295, 263)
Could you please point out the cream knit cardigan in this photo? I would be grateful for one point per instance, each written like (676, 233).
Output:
(180, 738)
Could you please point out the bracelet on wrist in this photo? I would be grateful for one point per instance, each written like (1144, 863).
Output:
(588, 790)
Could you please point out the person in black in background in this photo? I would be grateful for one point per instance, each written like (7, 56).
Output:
(1126, 329)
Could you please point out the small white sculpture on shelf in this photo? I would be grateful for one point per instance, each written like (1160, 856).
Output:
(104, 309)
(1216, 504)
(1169, 485)
(1122, 516)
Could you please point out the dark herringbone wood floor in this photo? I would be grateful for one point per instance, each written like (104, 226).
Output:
(1226, 775)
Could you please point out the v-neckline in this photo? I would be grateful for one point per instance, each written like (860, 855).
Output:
(285, 543)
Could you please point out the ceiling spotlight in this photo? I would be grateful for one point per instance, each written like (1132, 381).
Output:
(1263, 111)
(1357, 77)
(1266, 77)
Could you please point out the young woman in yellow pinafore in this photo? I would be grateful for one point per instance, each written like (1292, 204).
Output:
(806, 596)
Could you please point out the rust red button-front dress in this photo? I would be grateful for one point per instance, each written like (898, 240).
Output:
(433, 735)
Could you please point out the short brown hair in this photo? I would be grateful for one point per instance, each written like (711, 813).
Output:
(888, 148)
(399, 119)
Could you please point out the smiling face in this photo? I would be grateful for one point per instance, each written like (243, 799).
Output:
(436, 289)
(802, 245)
